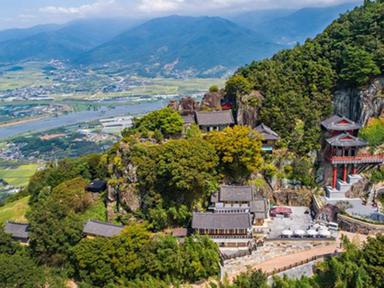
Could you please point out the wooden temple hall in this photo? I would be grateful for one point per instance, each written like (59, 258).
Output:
(230, 219)
(342, 150)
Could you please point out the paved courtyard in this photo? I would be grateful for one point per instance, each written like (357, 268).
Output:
(299, 220)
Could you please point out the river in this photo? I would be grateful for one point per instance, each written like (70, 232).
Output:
(44, 124)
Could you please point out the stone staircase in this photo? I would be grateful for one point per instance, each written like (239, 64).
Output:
(342, 187)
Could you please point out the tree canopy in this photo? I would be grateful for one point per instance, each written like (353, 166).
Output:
(297, 84)
(166, 121)
(239, 151)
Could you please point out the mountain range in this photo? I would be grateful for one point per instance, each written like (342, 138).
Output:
(201, 45)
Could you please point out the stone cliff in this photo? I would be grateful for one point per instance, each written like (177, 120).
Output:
(360, 104)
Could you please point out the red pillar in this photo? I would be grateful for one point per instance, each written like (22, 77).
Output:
(345, 173)
(354, 170)
(334, 176)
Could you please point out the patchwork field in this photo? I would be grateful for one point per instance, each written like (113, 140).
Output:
(14, 211)
(18, 176)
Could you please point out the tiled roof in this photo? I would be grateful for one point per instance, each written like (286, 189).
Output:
(221, 220)
(346, 140)
(267, 133)
(339, 123)
(235, 193)
(17, 230)
(259, 207)
(96, 228)
(215, 118)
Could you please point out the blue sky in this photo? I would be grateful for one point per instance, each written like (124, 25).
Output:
(24, 13)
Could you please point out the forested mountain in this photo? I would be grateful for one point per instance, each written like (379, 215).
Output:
(183, 43)
(21, 33)
(197, 46)
(290, 26)
(60, 42)
(297, 84)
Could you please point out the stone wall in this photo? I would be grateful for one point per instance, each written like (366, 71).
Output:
(350, 224)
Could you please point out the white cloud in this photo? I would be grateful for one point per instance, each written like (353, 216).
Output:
(150, 6)
(95, 8)
(154, 8)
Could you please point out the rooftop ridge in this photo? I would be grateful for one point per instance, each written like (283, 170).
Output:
(105, 223)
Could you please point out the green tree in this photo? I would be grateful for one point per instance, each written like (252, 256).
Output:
(256, 279)
(55, 222)
(358, 66)
(166, 120)
(214, 89)
(239, 151)
(20, 271)
(236, 86)
(374, 132)
(178, 172)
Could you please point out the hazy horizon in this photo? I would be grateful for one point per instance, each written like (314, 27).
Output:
(26, 13)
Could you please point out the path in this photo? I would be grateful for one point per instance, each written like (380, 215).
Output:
(286, 260)
(283, 261)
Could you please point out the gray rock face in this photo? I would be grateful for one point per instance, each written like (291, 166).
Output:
(248, 107)
(360, 104)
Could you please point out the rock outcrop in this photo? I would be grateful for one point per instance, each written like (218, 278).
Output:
(248, 108)
(360, 104)
(212, 101)
(186, 105)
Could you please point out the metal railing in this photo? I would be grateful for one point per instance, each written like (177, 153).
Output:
(363, 159)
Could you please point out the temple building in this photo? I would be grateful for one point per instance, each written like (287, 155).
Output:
(270, 137)
(226, 229)
(342, 153)
(18, 231)
(236, 212)
(101, 229)
(215, 120)
(240, 199)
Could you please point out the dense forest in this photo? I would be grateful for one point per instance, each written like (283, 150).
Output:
(297, 84)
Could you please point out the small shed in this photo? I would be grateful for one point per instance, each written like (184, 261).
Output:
(18, 231)
(97, 186)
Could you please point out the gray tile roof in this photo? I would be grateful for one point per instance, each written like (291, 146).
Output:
(339, 123)
(215, 118)
(267, 133)
(235, 193)
(17, 230)
(259, 208)
(346, 140)
(96, 228)
(221, 220)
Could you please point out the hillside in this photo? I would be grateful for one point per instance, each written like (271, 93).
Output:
(298, 84)
(60, 42)
(289, 27)
(177, 42)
